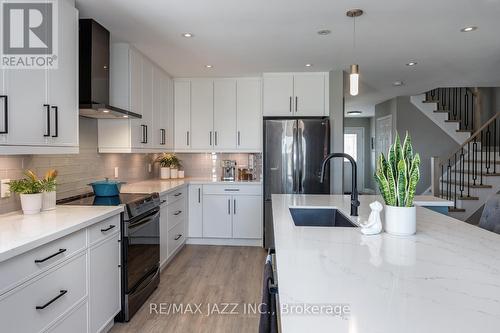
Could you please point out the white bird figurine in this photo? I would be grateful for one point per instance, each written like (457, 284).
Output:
(374, 225)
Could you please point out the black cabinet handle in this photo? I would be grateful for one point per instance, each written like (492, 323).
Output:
(239, 139)
(216, 138)
(228, 206)
(177, 237)
(47, 110)
(162, 202)
(234, 206)
(296, 103)
(5, 115)
(177, 212)
(177, 194)
(108, 228)
(199, 195)
(61, 294)
(231, 189)
(146, 133)
(143, 127)
(51, 256)
(163, 136)
(56, 121)
(187, 138)
(290, 103)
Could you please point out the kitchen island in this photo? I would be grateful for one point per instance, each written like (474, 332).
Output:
(446, 278)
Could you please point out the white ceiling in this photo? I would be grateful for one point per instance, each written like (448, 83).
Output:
(242, 37)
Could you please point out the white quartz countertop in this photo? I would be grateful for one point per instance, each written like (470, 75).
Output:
(20, 233)
(163, 186)
(446, 278)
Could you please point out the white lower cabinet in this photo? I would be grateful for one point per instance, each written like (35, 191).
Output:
(217, 216)
(232, 212)
(173, 219)
(104, 282)
(75, 288)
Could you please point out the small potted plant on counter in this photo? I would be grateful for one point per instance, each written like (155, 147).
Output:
(30, 192)
(165, 162)
(397, 178)
(175, 164)
(49, 190)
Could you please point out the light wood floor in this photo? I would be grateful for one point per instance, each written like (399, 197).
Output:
(208, 275)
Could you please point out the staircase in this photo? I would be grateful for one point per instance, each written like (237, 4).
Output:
(452, 109)
(471, 175)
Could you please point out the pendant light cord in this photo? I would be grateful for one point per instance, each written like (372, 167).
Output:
(354, 40)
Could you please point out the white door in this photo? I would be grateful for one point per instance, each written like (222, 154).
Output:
(217, 216)
(159, 113)
(104, 284)
(383, 135)
(249, 114)
(163, 232)
(63, 81)
(278, 95)
(309, 91)
(202, 114)
(354, 138)
(195, 226)
(247, 216)
(147, 103)
(182, 110)
(167, 104)
(137, 130)
(224, 114)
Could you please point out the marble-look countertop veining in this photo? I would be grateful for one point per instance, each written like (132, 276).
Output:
(163, 186)
(446, 278)
(20, 233)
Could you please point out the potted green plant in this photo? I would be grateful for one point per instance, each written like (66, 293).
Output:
(30, 192)
(49, 190)
(175, 164)
(397, 178)
(169, 165)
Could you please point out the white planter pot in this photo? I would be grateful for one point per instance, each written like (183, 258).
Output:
(400, 221)
(174, 173)
(49, 200)
(165, 173)
(31, 203)
(181, 174)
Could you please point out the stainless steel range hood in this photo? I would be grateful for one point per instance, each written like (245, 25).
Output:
(94, 74)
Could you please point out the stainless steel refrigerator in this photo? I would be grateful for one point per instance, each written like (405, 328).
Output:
(293, 152)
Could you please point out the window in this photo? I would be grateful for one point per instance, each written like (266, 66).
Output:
(350, 146)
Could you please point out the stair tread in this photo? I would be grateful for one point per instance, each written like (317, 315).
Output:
(452, 121)
(463, 131)
(463, 198)
(430, 101)
(483, 162)
(491, 174)
(441, 111)
(469, 184)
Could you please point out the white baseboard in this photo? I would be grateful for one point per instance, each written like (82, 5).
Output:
(224, 241)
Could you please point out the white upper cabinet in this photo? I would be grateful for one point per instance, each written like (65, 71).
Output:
(309, 91)
(249, 114)
(202, 114)
(41, 105)
(182, 111)
(295, 94)
(137, 85)
(278, 95)
(224, 114)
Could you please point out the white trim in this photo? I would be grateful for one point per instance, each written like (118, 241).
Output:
(224, 241)
(359, 131)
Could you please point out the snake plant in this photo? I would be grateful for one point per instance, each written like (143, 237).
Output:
(398, 175)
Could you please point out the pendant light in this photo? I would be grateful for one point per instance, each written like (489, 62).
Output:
(354, 75)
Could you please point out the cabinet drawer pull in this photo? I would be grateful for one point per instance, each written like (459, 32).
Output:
(177, 194)
(187, 138)
(61, 294)
(228, 206)
(177, 237)
(234, 206)
(199, 195)
(5, 115)
(239, 138)
(290, 103)
(56, 121)
(210, 138)
(162, 137)
(177, 212)
(47, 110)
(216, 138)
(146, 137)
(108, 228)
(51, 256)
(231, 189)
(296, 103)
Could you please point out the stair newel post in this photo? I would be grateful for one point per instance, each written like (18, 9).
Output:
(435, 176)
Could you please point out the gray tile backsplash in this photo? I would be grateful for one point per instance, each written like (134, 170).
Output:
(77, 170)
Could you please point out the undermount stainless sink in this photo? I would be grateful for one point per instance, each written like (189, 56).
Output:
(320, 217)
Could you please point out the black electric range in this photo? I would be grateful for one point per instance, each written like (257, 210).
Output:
(140, 238)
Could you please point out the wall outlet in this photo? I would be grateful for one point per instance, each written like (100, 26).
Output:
(4, 188)
(116, 172)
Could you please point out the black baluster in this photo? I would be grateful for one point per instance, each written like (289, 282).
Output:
(466, 103)
(488, 149)
(495, 145)
(474, 159)
(441, 191)
(448, 178)
(481, 160)
(455, 182)
(462, 172)
(468, 168)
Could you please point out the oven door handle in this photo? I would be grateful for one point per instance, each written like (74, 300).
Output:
(146, 281)
(146, 219)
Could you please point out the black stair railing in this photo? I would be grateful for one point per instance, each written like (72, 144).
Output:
(458, 102)
(476, 158)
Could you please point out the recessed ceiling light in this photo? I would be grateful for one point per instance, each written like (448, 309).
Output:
(398, 83)
(411, 63)
(309, 65)
(324, 32)
(353, 112)
(209, 66)
(468, 29)
(125, 116)
(187, 35)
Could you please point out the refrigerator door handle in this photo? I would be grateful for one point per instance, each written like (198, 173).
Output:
(300, 158)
